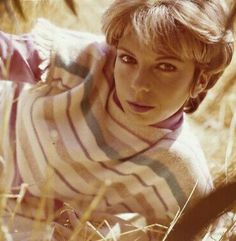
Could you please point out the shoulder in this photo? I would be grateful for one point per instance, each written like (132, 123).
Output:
(184, 144)
(61, 40)
(50, 30)
(66, 48)
(183, 156)
(182, 148)
(186, 171)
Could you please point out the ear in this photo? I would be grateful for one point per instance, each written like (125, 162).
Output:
(199, 85)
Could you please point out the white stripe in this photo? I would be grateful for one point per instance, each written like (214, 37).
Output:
(83, 129)
(26, 172)
(25, 107)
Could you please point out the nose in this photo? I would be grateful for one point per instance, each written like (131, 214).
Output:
(140, 82)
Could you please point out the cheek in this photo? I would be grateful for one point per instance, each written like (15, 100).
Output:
(181, 84)
(172, 91)
(120, 76)
(119, 69)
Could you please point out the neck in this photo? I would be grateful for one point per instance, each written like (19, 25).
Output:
(173, 122)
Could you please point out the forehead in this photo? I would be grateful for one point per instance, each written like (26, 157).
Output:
(131, 41)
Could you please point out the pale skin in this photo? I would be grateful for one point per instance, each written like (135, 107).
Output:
(151, 86)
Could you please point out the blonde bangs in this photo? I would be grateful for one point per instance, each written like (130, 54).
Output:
(118, 19)
(162, 26)
(159, 28)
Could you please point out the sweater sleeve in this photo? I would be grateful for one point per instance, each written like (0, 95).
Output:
(19, 58)
(26, 58)
(59, 47)
(32, 57)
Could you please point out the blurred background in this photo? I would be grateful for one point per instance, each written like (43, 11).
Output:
(215, 121)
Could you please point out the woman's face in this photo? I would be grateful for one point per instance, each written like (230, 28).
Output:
(150, 86)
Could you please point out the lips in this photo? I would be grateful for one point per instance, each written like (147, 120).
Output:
(137, 107)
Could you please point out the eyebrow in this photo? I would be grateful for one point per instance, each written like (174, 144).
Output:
(126, 50)
(169, 57)
(162, 57)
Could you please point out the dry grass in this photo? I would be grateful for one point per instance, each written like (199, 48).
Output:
(214, 123)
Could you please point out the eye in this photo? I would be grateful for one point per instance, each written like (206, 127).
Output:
(127, 59)
(166, 67)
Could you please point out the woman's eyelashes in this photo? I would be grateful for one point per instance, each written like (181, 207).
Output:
(163, 66)
(166, 67)
(127, 59)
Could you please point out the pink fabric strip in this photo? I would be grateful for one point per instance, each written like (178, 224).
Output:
(24, 58)
(173, 122)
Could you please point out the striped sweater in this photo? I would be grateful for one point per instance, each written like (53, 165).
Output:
(66, 120)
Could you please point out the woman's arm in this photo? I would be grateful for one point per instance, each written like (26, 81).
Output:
(19, 58)
(27, 58)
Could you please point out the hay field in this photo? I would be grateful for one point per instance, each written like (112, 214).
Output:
(215, 121)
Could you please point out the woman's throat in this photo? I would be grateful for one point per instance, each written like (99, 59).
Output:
(173, 122)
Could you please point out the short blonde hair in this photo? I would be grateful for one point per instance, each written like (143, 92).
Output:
(192, 29)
